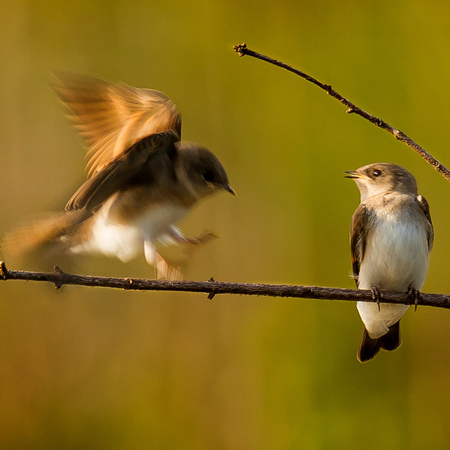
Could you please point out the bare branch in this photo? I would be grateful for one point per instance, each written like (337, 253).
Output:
(212, 287)
(352, 108)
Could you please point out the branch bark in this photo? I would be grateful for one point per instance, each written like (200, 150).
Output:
(212, 287)
(352, 108)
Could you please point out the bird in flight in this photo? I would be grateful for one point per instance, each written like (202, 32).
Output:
(141, 178)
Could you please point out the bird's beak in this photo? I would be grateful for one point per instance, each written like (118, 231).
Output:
(228, 188)
(351, 174)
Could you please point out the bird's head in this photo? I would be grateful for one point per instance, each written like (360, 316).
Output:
(381, 178)
(203, 172)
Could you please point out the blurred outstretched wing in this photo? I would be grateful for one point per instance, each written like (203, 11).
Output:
(129, 166)
(112, 117)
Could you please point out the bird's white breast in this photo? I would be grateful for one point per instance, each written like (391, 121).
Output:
(395, 258)
(125, 241)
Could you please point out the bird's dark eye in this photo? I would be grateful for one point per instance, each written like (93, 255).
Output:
(376, 173)
(209, 176)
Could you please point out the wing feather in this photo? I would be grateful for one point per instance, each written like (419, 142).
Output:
(123, 169)
(112, 117)
(425, 207)
(358, 235)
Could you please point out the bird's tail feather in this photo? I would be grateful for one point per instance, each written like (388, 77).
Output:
(392, 339)
(369, 347)
(43, 236)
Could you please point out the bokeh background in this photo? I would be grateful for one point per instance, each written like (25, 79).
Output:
(105, 369)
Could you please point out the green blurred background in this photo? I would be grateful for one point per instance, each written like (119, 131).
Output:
(97, 368)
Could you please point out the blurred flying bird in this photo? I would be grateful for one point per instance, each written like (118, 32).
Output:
(141, 178)
(391, 237)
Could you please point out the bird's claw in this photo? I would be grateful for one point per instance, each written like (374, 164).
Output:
(376, 295)
(416, 295)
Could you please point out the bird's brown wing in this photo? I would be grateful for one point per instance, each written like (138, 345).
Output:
(358, 236)
(423, 204)
(127, 168)
(112, 117)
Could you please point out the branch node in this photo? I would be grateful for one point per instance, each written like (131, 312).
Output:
(351, 110)
(241, 49)
(398, 134)
(58, 283)
(212, 294)
(3, 270)
(129, 283)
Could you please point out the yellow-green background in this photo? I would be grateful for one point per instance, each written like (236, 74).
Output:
(105, 369)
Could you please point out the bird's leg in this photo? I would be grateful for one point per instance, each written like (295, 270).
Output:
(204, 238)
(179, 237)
(376, 295)
(164, 270)
(169, 262)
(416, 295)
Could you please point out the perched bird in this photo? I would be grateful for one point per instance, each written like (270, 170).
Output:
(141, 178)
(391, 237)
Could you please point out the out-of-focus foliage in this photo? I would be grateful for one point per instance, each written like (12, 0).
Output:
(93, 368)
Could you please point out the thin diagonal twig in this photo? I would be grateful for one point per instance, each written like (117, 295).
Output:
(352, 108)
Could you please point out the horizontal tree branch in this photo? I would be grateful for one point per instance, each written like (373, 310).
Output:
(212, 287)
(352, 108)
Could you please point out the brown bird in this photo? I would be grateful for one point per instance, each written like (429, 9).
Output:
(141, 178)
(391, 237)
